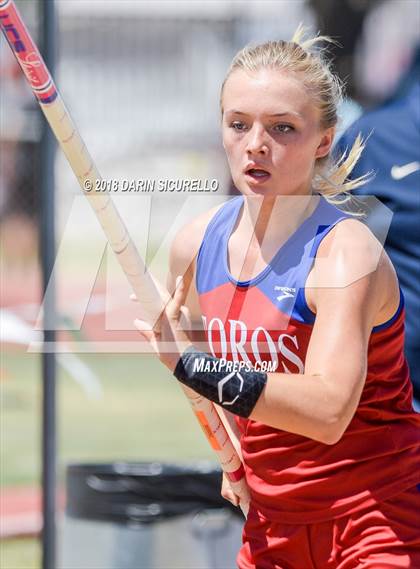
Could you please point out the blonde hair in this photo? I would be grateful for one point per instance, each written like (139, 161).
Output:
(305, 58)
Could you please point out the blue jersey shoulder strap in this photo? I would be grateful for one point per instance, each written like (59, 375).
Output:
(284, 278)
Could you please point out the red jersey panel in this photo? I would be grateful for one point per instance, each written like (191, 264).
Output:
(267, 322)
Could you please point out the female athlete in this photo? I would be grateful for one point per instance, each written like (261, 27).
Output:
(305, 326)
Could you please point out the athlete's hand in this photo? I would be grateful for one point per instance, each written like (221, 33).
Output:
(227, 492)
(168, 338)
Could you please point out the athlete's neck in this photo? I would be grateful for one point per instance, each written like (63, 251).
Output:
(275, 218)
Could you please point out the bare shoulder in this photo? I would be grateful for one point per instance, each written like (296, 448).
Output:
(349, 252)
(351, 258)
(352, 235)
(187, 242)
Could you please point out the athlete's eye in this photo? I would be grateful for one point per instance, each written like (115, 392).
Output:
(283, 128)
(238, 126)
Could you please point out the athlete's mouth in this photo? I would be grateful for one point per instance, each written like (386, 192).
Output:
(258, 174)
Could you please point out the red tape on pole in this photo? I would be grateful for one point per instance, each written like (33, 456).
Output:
(27, 53)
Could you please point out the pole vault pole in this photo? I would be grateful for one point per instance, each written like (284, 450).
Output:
(151, 295)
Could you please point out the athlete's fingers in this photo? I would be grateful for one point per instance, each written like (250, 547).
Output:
(230, 497)
(133, 298)
(145, 330)
(180, 292)
(185, 319)
(227, 492)
(178, 300)
(143, 326)
(143, 336)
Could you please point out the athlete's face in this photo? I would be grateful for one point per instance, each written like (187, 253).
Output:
(271, 133)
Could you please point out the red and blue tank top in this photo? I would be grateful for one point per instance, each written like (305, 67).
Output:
(266, 321)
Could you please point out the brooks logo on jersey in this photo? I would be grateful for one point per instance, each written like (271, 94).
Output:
(286, 292)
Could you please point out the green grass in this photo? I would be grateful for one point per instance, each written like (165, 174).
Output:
(20, 554)
(141, 416)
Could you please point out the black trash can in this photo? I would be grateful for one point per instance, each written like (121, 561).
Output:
(148, 516)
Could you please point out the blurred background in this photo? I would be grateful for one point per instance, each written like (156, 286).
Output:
(141, 80)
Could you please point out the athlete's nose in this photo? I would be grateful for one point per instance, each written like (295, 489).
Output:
(257, 143)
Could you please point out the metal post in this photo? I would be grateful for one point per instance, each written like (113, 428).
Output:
(47, 242)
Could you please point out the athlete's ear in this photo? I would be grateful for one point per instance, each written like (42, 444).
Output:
(324, 146)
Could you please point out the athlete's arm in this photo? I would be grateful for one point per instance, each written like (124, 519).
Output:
(351, 288)
(321, 403)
